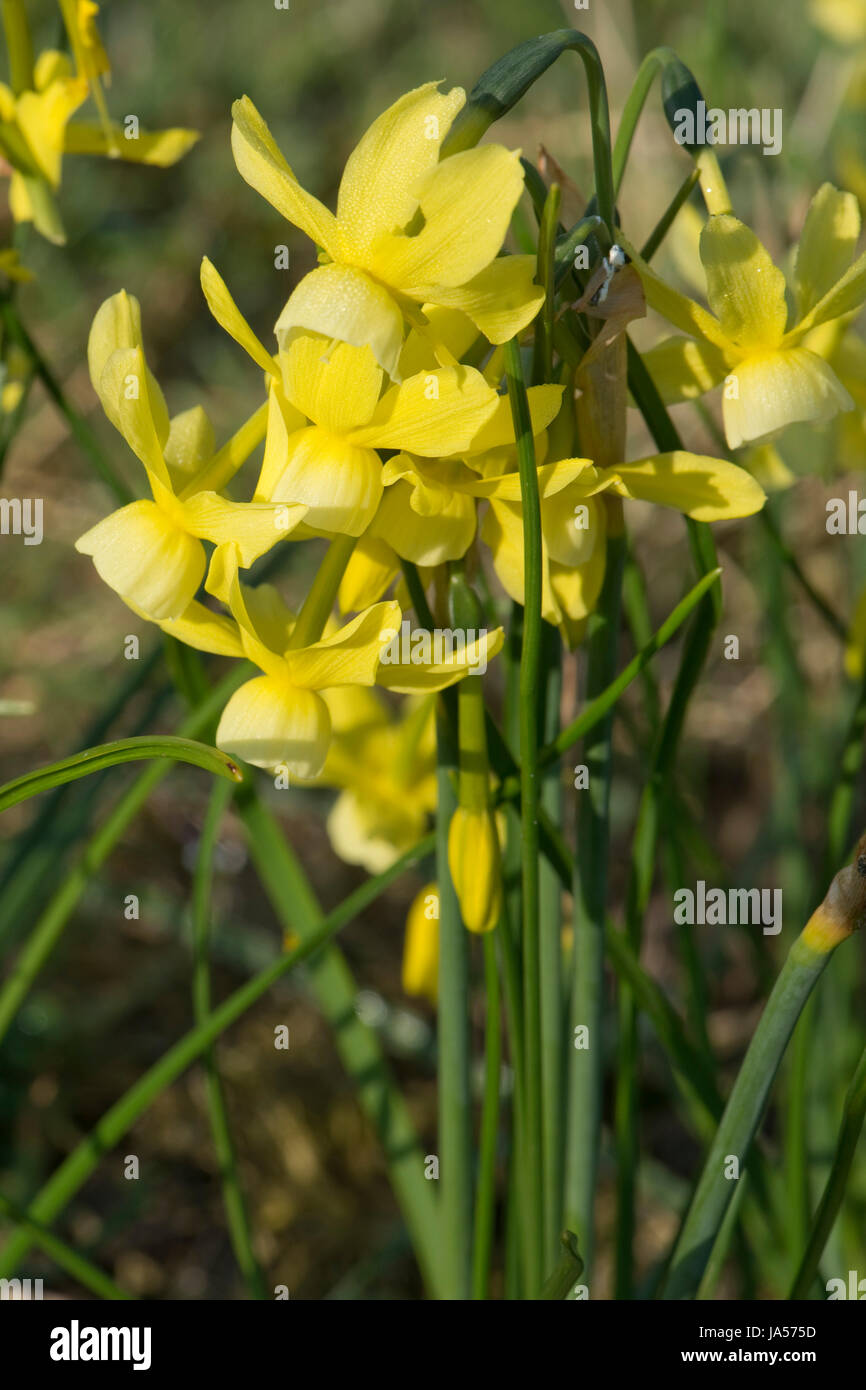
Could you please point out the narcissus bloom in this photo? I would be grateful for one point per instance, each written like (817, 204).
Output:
(151, 552)
(331, 465)
(280, 719)
(385, 767)
(773, 377)
(429, 511)
(574, 520)
(36, 131)
(408, 230)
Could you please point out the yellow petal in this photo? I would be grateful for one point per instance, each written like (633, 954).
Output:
(205, 630)
(552, 478)
(260, 162)
(684, 368)
(269, 723)
(125, 388)
(42, 118)
(680, 311)
(827, 244)
(355, 833)
(253, 526)
(704, 488)
(425, 540)
(745, 289)
(502, 531)
(339, 483)
(575, 592)
(117, 325)
(467, 202)
(146, 559)
(229, 316)
(766, 393)
(544, 403)
(475, 865)
(421, 947)
(572, 526)
(377, 191)
(284, 420)
(158, 147)
(443, 658)
(372, 566)
(190, 442)
(844, 297)
(432, 413)
(342, 302)
(445, 328)
(500, 300)
(351, 655)
(334, 384)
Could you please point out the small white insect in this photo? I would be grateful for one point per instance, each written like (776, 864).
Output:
(615, 259)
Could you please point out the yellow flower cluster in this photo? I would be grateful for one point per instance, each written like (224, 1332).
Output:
(36, 126)
(379, 436)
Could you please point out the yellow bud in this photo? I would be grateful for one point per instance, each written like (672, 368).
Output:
(475, 863)
(421, 949)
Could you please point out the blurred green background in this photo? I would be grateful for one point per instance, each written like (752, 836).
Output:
(117, 992)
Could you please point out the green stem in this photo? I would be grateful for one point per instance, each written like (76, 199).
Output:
(542, 364)
(19, 46)
(485, 1197)
(550, 960)
(529, 797)
(586, 1063)
(63, 1255)
(233, 1197)
(319, 602)
(506, 81)
(653, 64)
(837, 1181)
(802, 968)
(454, 1092)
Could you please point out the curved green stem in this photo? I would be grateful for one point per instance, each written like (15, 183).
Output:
(485, 1197)
(503, 84)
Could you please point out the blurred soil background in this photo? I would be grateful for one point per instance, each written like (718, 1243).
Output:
(117, 992)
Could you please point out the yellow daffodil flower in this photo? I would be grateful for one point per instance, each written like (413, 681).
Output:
(331, 465)
(151, 552)
(330, 409)
(280, 719)
(36, 129)
(574, 522)
(421, 948)
(429, 510)
(772, 376)
(385, 767)
(409, 229)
